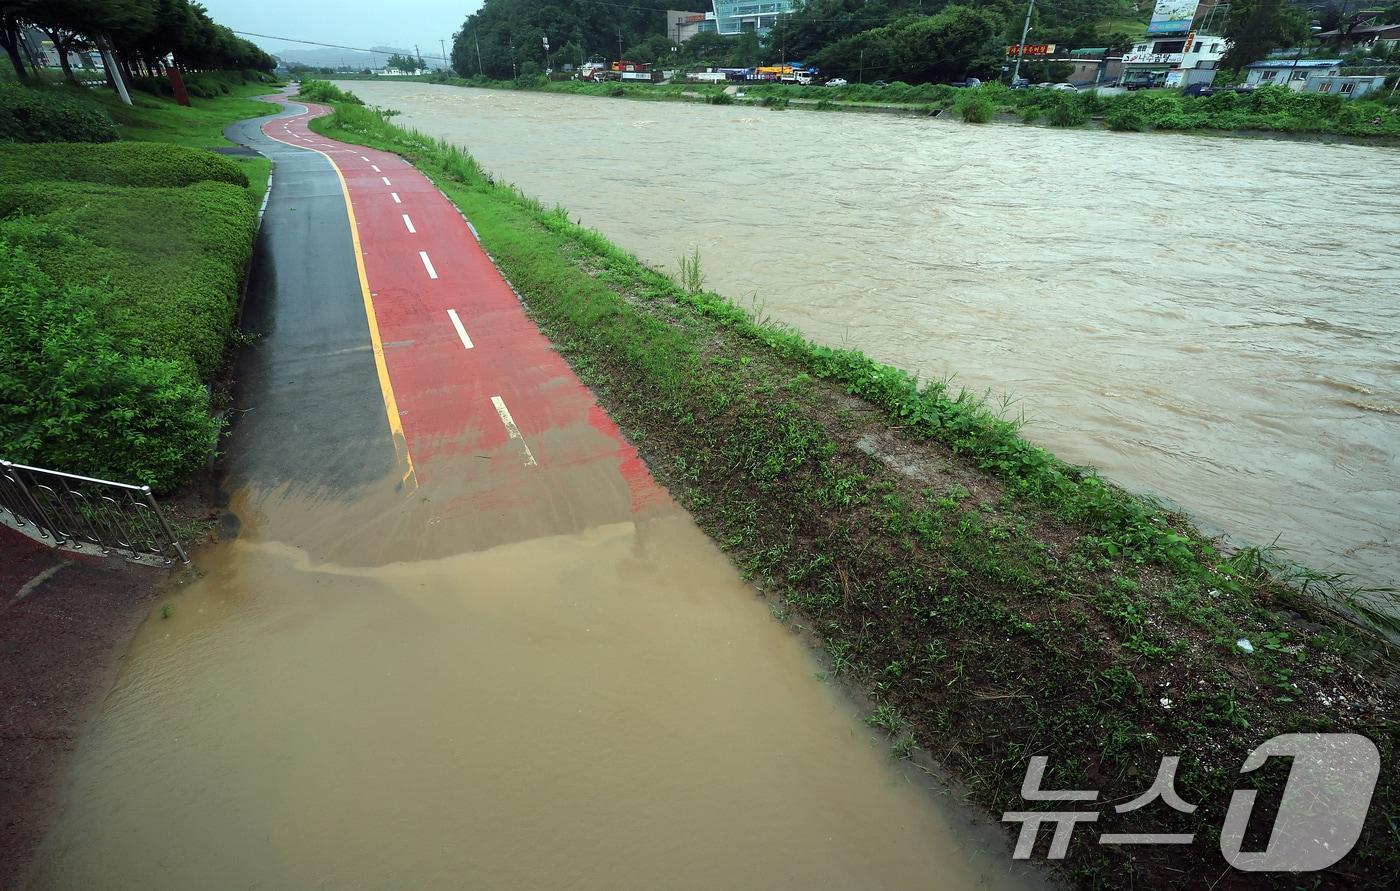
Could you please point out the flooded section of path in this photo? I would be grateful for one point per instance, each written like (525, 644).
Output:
(602, 709)
(490, 672)
(1212, 320)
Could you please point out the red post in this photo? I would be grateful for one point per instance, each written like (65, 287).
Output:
(177, 83)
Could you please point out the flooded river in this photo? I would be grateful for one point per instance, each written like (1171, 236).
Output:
(1211, 320)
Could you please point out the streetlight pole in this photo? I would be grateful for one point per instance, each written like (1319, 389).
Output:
(1021, 49)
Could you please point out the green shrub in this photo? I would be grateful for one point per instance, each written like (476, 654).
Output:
(117, 163)
(325, 91)
(1066, 111)
(974, 107)
(720, 99)
(71, 396)
(1124, 116)
(51, 115)
(167, 263)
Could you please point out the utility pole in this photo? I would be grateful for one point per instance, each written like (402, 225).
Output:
(442, 45)
(477, 41)
(860, 78)
(1021, 49)
(417, 58)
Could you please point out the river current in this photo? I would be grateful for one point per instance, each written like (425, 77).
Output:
(1210, 320)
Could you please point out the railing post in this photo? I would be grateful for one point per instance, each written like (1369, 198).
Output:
(40, 519)
(165, 527)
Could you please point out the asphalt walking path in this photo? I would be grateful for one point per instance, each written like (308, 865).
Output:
(387, 342)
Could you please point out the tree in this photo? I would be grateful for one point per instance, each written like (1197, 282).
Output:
(1256, 27)
(958, 41)
(11, 17)
(67, 23)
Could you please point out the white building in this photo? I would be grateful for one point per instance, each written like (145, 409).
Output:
(1174, 60)
(1291, 73)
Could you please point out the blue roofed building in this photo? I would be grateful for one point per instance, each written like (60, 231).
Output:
(1291, 73)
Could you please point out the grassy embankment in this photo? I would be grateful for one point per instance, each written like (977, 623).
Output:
(1271, 109)
(125, 243)
(993, 602)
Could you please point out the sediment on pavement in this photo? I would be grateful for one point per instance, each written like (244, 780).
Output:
(993, 602)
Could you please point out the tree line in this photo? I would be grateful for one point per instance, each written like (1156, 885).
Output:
(914, 41)
(140, 36)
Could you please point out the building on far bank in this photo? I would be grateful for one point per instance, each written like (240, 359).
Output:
(1175, 60)
(1291, 73)
(1352, 86)
(738, 16)
(682, 25)
(1370, 37)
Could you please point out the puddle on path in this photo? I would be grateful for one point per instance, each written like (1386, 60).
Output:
(607, 707)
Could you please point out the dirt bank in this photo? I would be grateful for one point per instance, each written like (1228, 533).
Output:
(64, 621)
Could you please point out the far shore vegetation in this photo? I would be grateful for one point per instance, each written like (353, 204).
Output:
(1268, 109)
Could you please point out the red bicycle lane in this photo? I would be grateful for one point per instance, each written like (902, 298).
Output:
(468, 373)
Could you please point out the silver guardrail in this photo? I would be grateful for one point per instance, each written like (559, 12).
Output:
(88, 514)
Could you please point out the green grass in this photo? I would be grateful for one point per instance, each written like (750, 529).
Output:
(160, 119)
(138, 250)
(1000, 605)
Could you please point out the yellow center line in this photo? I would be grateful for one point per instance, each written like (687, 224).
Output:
(391, 404)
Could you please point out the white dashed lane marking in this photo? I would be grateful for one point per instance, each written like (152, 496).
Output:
(461, 332)
(428, 264)
(513, 430)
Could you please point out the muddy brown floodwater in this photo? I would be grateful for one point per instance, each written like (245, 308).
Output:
(353, 694)
(1210, 320)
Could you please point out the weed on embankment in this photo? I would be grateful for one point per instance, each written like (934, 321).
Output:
(994, 602)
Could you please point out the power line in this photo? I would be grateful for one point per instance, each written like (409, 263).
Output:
(358, 49)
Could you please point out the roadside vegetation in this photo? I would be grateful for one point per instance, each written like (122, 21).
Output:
(124, 261)
(992, 601)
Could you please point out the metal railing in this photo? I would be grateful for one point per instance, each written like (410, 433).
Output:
(88, 514)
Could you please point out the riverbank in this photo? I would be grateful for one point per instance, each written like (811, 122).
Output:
(1267, 112)
(65, 620)
(994, 602)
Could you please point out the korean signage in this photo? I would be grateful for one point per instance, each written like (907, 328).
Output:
(1031, 49)
(1172, 16)
(1151, 58)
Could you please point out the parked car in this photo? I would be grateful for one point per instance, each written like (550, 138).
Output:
(1020, 83)
(1065, 87)
(1212, 89)
(879, 83)
(969, 82)
(838, 82)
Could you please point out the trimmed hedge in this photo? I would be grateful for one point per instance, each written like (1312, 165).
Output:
(325, 91)
(51, 115)
(118, 164)
(72, 395)
(164, 264)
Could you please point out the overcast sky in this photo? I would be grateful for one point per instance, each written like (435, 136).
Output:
(354, 23)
